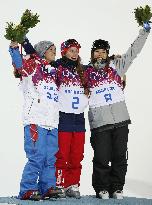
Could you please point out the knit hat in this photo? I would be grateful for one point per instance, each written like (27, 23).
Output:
(67, 44)
(42, 47)
(100, 44)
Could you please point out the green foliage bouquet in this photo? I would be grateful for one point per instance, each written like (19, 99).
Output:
(143, 14)
(18, 32)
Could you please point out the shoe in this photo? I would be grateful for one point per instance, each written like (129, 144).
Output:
(103, 194)
(54, 192)
(118, 194)
(73, 191)
(32, 195)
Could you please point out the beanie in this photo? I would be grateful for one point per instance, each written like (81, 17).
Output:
(67, 44)
(42, 47)
(100, 44)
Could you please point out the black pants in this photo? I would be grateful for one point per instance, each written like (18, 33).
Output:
(110, 159)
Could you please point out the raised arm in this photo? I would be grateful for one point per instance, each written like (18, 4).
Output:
(122, 64)
(15, 55)
(26, 64)
(28, 48)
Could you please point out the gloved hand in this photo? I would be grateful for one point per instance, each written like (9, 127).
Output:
(28, 48)
(13, 44)
(16, 57)
(146, 26)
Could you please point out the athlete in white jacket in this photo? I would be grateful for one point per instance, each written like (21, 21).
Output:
(40, 119)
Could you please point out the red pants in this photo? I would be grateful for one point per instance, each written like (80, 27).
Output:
(69, 157)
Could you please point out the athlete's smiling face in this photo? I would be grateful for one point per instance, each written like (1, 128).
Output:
(72, 53)
(100, 54)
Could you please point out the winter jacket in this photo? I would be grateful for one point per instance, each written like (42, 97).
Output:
(72, 100)
(40, 92)
(107, 107)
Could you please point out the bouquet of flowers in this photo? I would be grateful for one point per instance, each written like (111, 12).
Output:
(143, 14)
(18, 32)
